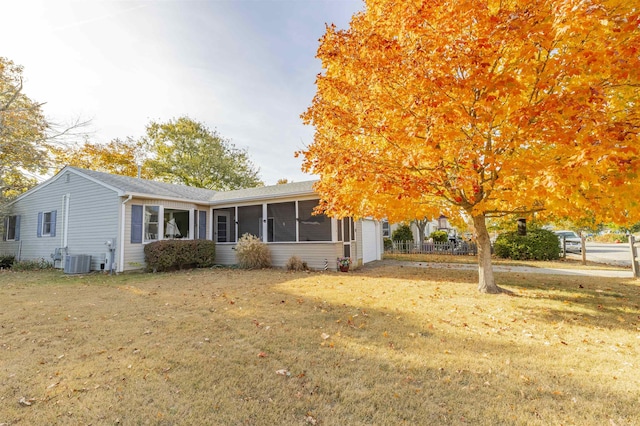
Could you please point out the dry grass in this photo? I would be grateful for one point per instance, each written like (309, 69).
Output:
(380, 346)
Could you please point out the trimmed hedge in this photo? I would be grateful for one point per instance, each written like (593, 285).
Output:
(538, 244)
(167, 255)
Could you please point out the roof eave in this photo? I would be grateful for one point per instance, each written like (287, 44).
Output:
(263, 197)
(162, 197)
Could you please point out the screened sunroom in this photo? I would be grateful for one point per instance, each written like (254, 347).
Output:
(289, 227)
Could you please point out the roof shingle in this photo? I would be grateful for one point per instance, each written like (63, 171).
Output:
(151, 188)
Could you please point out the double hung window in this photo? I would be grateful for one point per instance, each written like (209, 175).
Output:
(11, 228)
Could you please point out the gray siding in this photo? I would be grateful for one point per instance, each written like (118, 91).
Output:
(91, 214)
(10, 247)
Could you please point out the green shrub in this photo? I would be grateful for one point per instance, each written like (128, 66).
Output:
(6, 260)
(167, 255)
(439, 236)
(252, 253)
(538, 244)
(388, 244)
(402, 233)
(32, 265)
(296, 264)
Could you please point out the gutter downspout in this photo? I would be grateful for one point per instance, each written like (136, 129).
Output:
(65, 230)
(121, 242)
(62, 210)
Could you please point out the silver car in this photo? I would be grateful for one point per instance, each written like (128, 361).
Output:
(573, 243)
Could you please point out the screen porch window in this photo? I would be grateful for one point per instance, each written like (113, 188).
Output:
(313, 227)
(281, 222)
(250, 220)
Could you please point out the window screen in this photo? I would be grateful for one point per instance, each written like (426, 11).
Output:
(282, 222)
(250, 220)
(313, 227)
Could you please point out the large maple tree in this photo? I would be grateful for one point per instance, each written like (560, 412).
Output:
(480, 108)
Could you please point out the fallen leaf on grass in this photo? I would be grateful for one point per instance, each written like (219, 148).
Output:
(262, 355)
(26, 402)
(283, 372)
(325, 336)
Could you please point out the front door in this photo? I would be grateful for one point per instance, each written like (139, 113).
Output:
(222, 226)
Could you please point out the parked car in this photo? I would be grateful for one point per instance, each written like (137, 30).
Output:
(573, 242)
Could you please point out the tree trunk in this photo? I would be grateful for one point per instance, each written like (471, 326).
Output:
(486, 280)
(421, 225)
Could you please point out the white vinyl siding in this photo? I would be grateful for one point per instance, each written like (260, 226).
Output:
(86, 216)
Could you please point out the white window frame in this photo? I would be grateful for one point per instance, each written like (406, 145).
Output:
(189, 235)
(145, 224)
(386, 228)
(6, 231)
(46, 223)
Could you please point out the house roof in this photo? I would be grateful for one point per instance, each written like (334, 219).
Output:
(128, 185)
(144, 188)
(265, 192)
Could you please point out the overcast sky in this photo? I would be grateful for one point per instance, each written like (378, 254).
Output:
(244, 67)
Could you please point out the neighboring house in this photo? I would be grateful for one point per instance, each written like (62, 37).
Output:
(84, 212)
(431, 226)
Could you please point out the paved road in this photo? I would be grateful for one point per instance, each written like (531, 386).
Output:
(613, 254)
(614, 273)
(607, 254)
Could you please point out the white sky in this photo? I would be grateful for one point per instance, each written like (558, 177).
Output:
(244, 67)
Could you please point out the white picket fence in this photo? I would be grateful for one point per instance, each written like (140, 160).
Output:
(454, 248)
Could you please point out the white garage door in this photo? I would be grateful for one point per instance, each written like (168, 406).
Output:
(370, 241)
